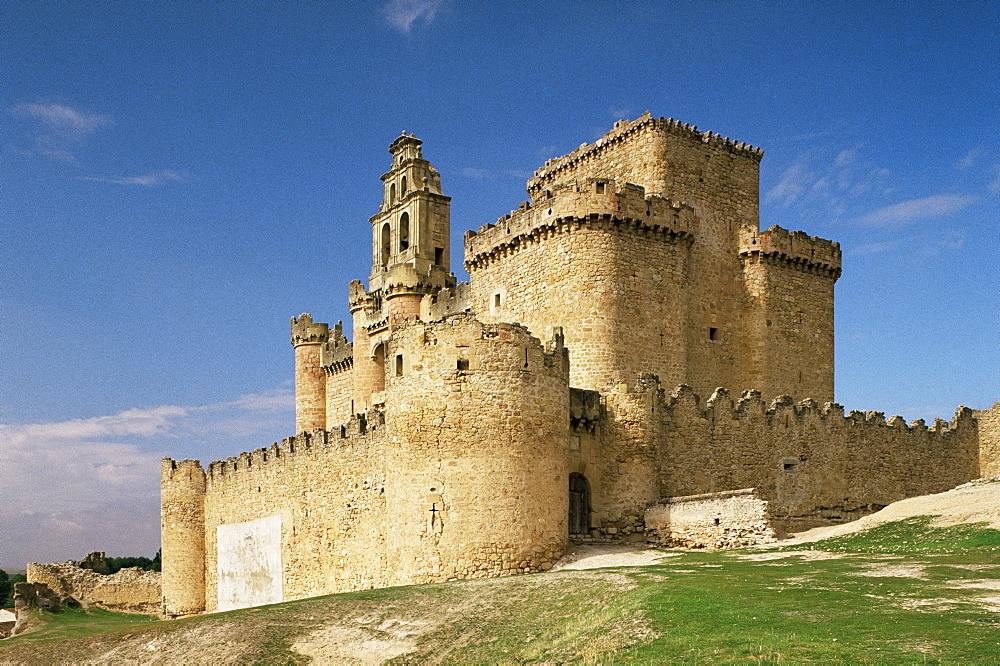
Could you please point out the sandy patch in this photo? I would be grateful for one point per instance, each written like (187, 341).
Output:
(597, 556)
(340, 644)
(981, 584)
(892, 571)
(974, 502)
(780, 555)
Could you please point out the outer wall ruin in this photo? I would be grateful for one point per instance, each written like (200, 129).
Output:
(445, 441)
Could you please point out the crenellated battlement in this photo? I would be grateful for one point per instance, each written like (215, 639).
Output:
(306, 331)
(683, 401)
(589, 203)
(794, 249)
(358, 434)
(337, 353)
(625, 132)
(445, 302)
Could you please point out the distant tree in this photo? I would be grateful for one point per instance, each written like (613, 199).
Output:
(144, 563)
(6, 590)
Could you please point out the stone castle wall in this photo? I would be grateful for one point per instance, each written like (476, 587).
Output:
(989, 441)
(810, 463)
(182, 536)
(327, 490)
(789, 279)
(476, 473)
(130, 590)
(463, 476)
(587, 269)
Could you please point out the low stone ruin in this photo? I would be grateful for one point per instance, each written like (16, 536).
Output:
(729, 519)
(130, 590)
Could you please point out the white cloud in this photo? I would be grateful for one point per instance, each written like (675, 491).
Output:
(969, 159)
(879, 247)
(402, 14)
(994, 185)
(937, 205)
(63, 119)
(478, 174)
(93, 484)
(60, 128)
(148, 180)
(794, 181)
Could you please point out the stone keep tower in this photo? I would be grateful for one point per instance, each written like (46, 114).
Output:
(410, 259)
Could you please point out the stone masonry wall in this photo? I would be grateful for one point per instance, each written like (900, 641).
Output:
(328, 488)
(789, 278)
(635, 246)
(730, 519)
(129, 590)
(989, 441)
(809, 462)
(589, 269)
(182, 536)
(476, 473)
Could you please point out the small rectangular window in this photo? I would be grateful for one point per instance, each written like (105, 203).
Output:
(600, 188)
(496, 300)
(463, 364)
(399, 365)
(713, 333)
(439, 256)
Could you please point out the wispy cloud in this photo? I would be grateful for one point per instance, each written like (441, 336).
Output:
(904, 212)
(829, 183)
(403, 14)
(147, 180)
(59, 128)
(621, 112)
(478, 174)
(93, 484)
(994, 185)
(945, 240)
(969, 159)
(878, 247)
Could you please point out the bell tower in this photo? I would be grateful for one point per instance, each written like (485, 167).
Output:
(412, 228)
(410, 259)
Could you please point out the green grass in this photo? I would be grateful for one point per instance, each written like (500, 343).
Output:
(74, 622)
(915, 536)
(902, 593)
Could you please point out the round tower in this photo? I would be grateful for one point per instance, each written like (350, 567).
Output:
(182, 529)
(477, 477)
(308, 338)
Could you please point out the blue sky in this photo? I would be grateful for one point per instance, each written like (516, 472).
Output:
(179, 178)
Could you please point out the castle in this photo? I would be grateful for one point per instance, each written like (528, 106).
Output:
(472, 429)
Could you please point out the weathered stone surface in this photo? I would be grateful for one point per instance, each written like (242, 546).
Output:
(730, 519)
(130, 590)
(36, 595)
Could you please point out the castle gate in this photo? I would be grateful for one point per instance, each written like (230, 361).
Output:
(579, 504)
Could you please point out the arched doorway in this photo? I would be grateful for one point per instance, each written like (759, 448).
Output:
(579, 505)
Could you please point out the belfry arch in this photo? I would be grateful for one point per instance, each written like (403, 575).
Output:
(386, 244)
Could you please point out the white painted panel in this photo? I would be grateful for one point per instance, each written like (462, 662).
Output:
(250, 563)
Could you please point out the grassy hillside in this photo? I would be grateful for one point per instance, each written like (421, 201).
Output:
(899, 593)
